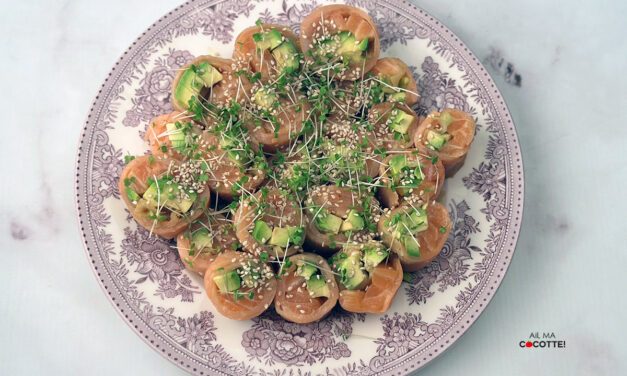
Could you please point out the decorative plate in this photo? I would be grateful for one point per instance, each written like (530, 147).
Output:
(166, 305)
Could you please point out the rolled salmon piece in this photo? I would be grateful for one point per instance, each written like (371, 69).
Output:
(449, 134)
(206, 238)
(340, 38)
(348, 151)
(397, 81)
(337, 215)
(416, 234)
(394, 125)
(232, 166)
(172, 136)
(240, 286)
(276, 119)
(160, 197)
(209, 81)
(415, 176)
(271, 50)
(270, 223)
(368, 276)
(306, 290)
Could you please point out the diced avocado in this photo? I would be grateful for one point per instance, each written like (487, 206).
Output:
(176, 135)
(437, 140)
(445, 120)
(208, 74)
(400, 121)
(234, 152)
(296, 234)
(318, 287)
(132, 195)
(228, 282)
(328, 223)
(167, 193)
(280, 237)
(286, 56)
(201, 239)
(262, 232)
(270, 39)
(397, 163)
(351, 273)
(349, 48)
(306, 270)
(353, 222)
(363, 45)
(264, 99)
(189, 85)
(416, 221)
(411, 245)
(397, 97)
(373, 256)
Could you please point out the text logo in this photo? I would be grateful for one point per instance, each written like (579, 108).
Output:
(546, 340)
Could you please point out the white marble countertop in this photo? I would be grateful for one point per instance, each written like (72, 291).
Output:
(567, 276)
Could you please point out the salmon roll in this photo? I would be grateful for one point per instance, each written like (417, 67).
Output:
(240, 286)
(164, 197)
(394, 125)
(396, 81)
(337, 215)
(172, 136)
(209, 80)
(204, 240)
(340, 39)
(276, 119)
(306, 289)
(415, 176)
(232, 165)
(271, 223)
(449, 134)
(416, 234)
(271, 50)
(368, 276)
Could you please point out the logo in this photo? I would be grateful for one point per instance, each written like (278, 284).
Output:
(547, 340)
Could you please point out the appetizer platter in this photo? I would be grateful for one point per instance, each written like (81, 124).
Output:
(313, 189)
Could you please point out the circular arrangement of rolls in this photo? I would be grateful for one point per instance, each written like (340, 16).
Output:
(295, 175)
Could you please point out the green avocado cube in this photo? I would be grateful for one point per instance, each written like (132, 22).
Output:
(318, 287)
(286, 56)
(328, 223)
(268, 40)
(353, 222)
(445, 120)
(280, 237)
(188, 86)
(262, 232)
(228, 282)
(373, 256)
(306, 270)
(296, 234)
(363, 45)
(411, 245)
(437, 140)
(416, 221)
(167, 193)
(202, 239)
(400, 121)
(264, 99)
(352, 276)
(397, 163)
(397, 97)
(176, 135)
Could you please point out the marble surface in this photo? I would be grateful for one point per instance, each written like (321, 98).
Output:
(566, 92)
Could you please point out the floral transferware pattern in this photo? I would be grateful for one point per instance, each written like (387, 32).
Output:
(165, 304)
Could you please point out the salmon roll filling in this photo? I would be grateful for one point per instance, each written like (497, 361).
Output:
(396, 81)
(368, 276)
(294, 169)
(340, 39)
(337, 215)
(209, 81)
(449, 134)
(415, 176)
(164, 197)
(394, 125)
(232, 165)
(416, 234)
(240, 286)
(306, 290)
(172, 136)
(270, 223)
(271, 50)
(204, 240)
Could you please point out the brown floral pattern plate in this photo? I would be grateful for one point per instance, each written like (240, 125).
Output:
(166, 305)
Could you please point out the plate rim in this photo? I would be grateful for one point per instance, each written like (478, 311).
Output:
(411, 362)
